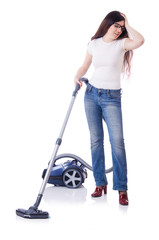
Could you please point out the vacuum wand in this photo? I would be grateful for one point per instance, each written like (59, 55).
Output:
(33, 212)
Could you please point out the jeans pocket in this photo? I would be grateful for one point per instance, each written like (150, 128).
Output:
(89, 88)
(115, 93)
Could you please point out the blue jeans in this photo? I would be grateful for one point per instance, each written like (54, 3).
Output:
(104, 104)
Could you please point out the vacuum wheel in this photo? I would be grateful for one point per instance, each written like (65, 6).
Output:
(72, 178)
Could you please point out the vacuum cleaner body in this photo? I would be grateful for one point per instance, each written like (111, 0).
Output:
(70, 174)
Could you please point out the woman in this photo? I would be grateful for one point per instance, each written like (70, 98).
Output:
(110, 51)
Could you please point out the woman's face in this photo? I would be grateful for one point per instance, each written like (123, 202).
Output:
(116, 30)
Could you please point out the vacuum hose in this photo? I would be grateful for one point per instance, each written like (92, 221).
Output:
(75, 157)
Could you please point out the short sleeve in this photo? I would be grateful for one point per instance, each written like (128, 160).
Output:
(90, 47)
(123, 43)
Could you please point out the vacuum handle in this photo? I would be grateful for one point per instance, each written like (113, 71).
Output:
(85, 80)
(77, 88)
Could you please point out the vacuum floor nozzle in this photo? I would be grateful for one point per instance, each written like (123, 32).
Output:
(32, 213)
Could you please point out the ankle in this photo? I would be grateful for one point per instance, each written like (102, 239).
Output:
(123, 192)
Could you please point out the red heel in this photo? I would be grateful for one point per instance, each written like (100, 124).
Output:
(123, 198)
(98, 191)
(105, 189)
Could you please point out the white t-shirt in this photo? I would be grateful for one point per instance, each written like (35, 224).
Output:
(107, 58)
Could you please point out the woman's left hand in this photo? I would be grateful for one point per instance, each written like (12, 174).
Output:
(126, 20)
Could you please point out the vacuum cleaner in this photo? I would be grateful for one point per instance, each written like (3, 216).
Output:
(33, 212)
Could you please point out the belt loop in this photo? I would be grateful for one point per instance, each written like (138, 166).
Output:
(108, 91)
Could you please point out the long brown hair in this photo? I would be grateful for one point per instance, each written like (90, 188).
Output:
(109, 20)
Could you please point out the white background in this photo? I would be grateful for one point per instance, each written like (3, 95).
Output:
(42, 44)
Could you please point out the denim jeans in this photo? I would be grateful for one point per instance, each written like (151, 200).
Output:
(104, 104)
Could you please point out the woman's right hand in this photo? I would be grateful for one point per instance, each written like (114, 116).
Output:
(77, 81)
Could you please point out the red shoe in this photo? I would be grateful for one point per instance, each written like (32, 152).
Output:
(123, 198)
(98, 191)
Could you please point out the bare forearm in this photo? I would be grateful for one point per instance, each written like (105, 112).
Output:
(83, 69)
(135, 34)
(81, 72)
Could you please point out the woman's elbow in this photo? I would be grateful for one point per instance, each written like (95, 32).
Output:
(141, 42)
(84, 68)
